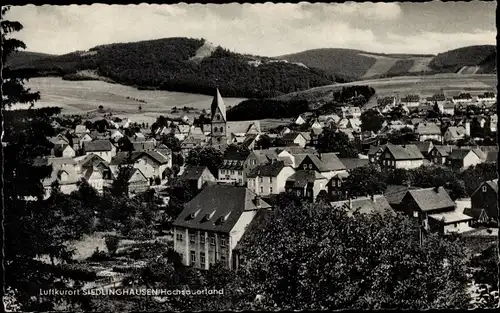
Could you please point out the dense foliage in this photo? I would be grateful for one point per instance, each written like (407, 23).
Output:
(166, 64)
(455, 59)
(371, 120)
(332, 140)
(253, 109)
(205, 156)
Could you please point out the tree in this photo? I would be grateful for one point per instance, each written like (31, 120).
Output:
(171, 142)
(313, 257)
(119, 187)
(28, 225)
(101, 108)
(332, 140)
(402, 136)
(264, 142)
(205, 156)
(363, 181)
(112, 243)
(125, 145)
(371, 120)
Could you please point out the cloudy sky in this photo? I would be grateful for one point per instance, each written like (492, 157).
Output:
(264, 29)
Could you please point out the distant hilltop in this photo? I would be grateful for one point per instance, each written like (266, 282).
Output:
(198, 66)
(357, 64)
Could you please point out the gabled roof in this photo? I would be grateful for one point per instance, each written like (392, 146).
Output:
(265, 155)
(303, 177)
(451, 217)
(90, 160)
(351, 163)
(458, 154)
(133, 173)
(123, 157)
(374, 149)
(444, 150)
(292, 136)
(216, 201)
(242, 127)
(192, 172)
(81, 129)
(327, 162)
(91, 170)
(456, 131)
(218, 103)
(427, 129)
(271, 169)
(395, 193)
(429, 199)
(423, 146)
(97, 146)
(407, 152)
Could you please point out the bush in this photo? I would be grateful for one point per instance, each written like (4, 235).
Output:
(112, 243)
(99, 256)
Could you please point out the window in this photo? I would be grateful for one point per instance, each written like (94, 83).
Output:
(305, 166)
(415, 214)
(270, 189)
(193, 256)
(223, 259)
(310, 166)
(202, 259)
(179, 237)
(484, 189)
(261, 179)
(202, 239)
(192, 238)
(212, 241)
(215, 129)
(261, 189)
(221, 130)
(270, 180)
(223, 242)
(232, 172)
(240, 173)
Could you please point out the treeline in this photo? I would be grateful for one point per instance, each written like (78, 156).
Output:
(353, 95)
(266, 108)
(165, 64)
(453, 60)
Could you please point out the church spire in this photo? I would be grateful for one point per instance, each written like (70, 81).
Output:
(218, 106)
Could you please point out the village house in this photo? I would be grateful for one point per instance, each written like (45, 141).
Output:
(334, 187)
(300, 120)
(137, 182)
(63, 150)
(95, 178)
(426, 202)
(439, 154)
(316, 124)
(374, 153)
(401, 156)
(82, 138)
(231, 169)
(386, 103)
(464, 158)
(116, 135)
(295, 139)
(395, 194)
(424, 147)
(197, 176)
(463, 98)
(487, 97)
(350, 112)
(454, 134)
(66, 177)
(146, 145)
(484, 203)
(189, 144)
(410, 101)
(211, 225)
(60, 139)
(151, 163)
(259, 157)
(327, 164)
(270, 178)
(329, 119)
(103, 148)
(428, 131)
(81, 129)
(447, 108)
(438, 99)
(306, 184)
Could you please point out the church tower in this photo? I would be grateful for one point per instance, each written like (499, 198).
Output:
(218, 120)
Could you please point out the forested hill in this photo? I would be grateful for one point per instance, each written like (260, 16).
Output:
(180, 64)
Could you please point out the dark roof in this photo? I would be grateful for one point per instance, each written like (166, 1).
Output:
(236, 155)
(192, 172)
(395, 193)
(143, 145)
(351, 163)
(292, 136)
(121, 157)
(271, 169)
(423, 146)
(91, 160)
(429, 199)
(428, 129)
(327, 162)
(412, 98)
(303, 177)
(232, 165)
(374, 149)
(458, 154)
(406, 152)
(444, 150)
(97, 145)
(216, 201)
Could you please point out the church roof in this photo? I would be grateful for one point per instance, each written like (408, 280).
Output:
(218, 102)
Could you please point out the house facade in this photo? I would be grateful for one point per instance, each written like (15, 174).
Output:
(484, 202)
(103, 148)
(401, 156)
(268, 179)
(211, 225)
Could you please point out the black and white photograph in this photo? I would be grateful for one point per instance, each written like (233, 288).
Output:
(249, 157)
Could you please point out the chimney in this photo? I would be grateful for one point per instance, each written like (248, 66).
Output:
(257, 201)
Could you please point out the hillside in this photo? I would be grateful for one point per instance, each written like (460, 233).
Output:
(454, 60)
(357, 64)
(25, 57)
(182, 64)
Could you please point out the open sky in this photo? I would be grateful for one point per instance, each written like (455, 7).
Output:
(264, 29)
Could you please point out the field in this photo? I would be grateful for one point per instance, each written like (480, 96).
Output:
(381, 66)
(76, 97)
(422, 85)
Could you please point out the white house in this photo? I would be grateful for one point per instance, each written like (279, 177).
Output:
(270, 178)
(401, 156)
(212, 223)
(300, 120)
(103, 148)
